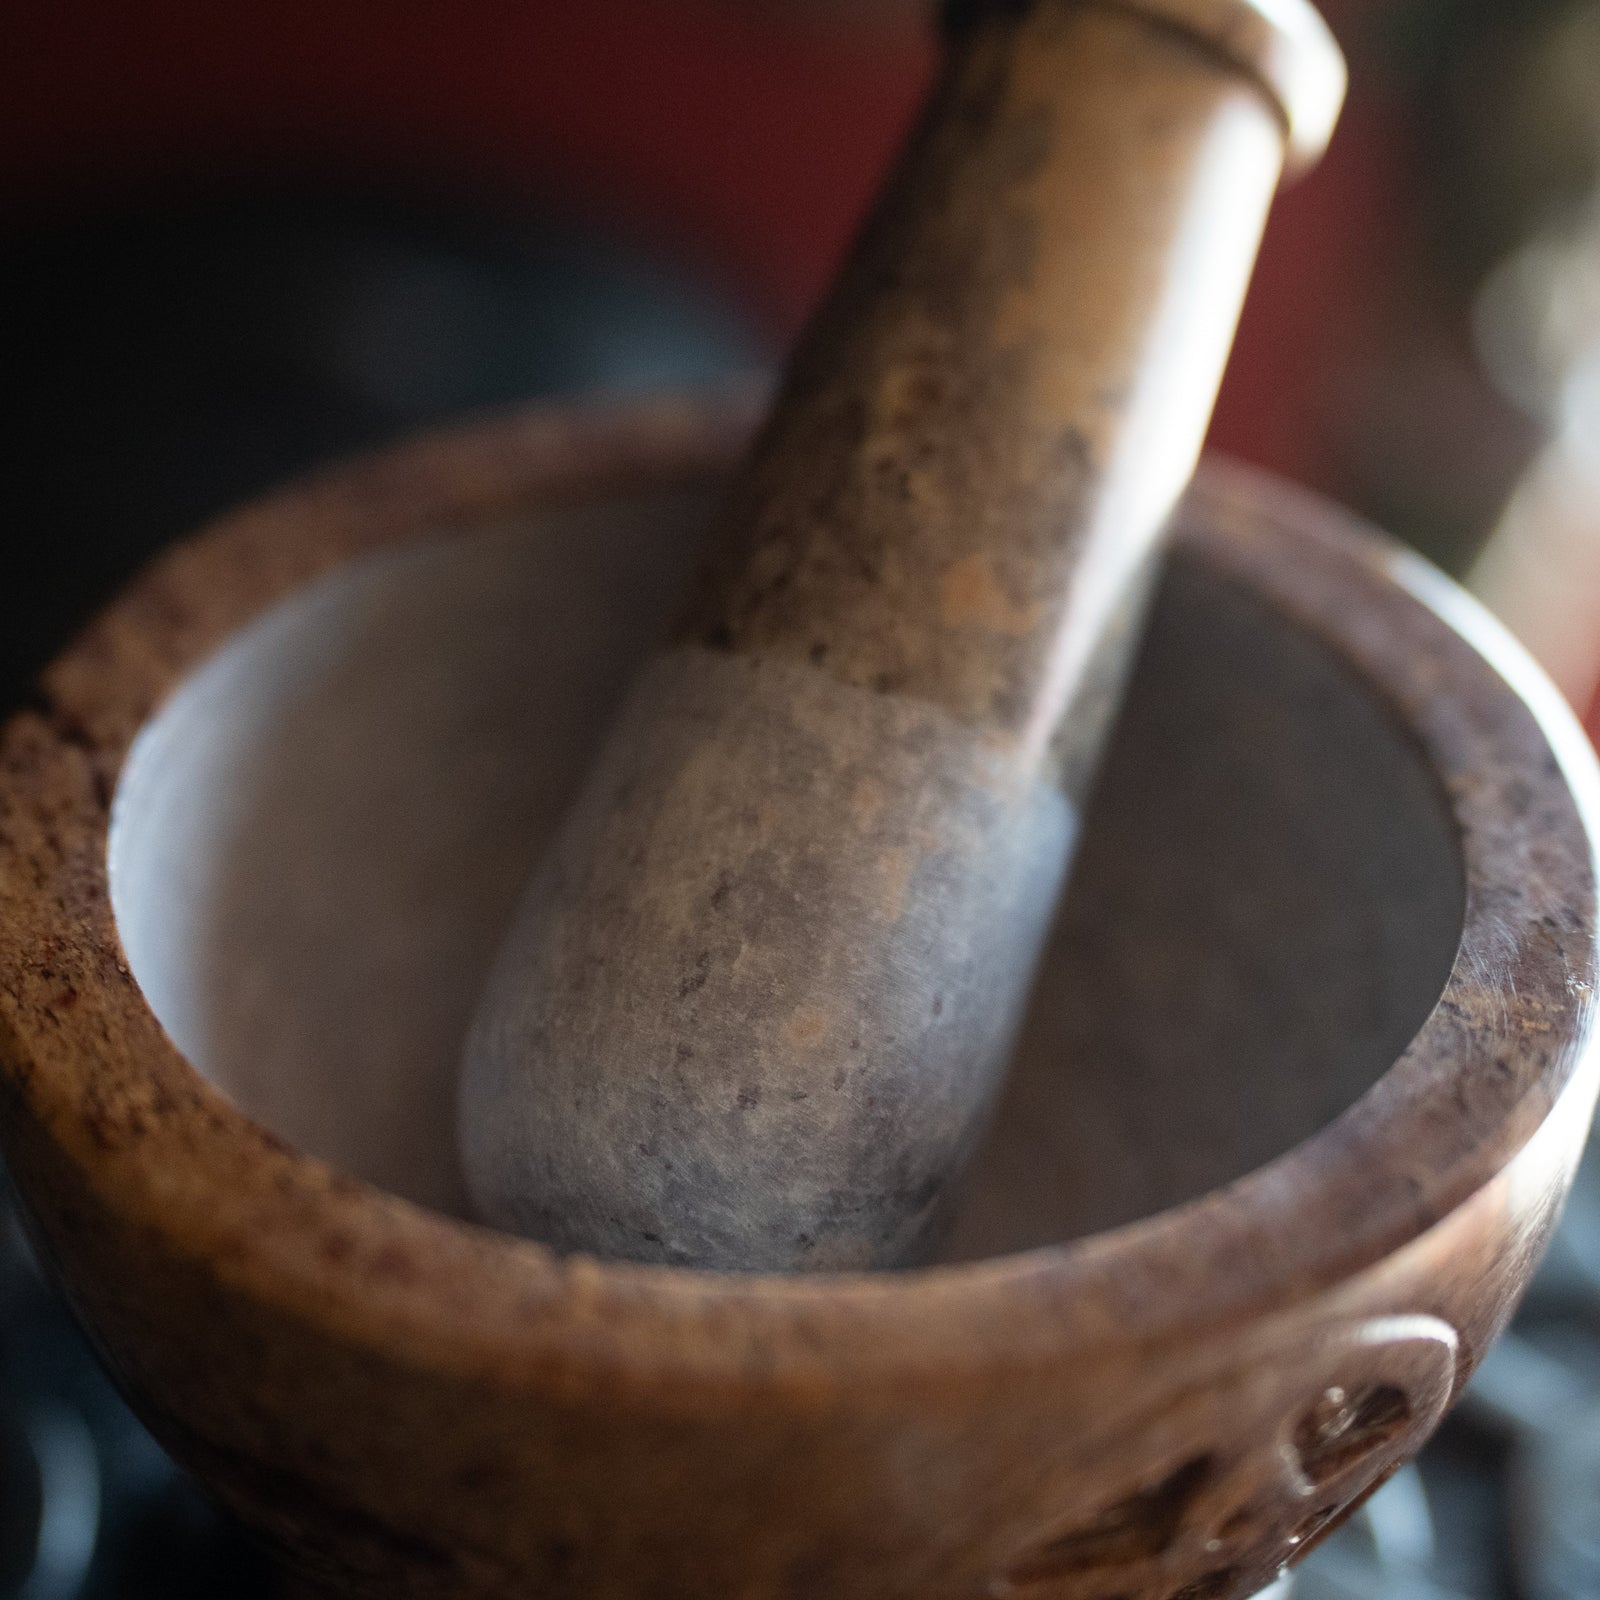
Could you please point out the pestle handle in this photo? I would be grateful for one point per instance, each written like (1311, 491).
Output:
(760, 995)
(982, 433)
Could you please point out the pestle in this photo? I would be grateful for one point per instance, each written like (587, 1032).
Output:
(758, 998)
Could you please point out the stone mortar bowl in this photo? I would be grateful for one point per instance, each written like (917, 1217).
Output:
(1305, 1079)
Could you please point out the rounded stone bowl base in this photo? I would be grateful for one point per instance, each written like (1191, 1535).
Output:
(1299, 1091)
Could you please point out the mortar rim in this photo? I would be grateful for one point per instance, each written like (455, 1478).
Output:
(99, 1081)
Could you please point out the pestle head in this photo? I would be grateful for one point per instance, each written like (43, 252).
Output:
(760, 995)
(758, 974)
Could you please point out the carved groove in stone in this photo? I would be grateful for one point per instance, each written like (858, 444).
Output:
(1341, 1430)
(1137, 1528)
(1213, 1586)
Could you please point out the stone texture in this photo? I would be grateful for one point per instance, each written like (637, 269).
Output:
(410, 1406)
(925, 586)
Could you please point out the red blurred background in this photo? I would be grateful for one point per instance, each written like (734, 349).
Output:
(742, 139)
(749, 133)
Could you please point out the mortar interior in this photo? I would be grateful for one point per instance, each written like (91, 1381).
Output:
(318, 841)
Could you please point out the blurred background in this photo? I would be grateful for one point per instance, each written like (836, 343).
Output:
(239, 242)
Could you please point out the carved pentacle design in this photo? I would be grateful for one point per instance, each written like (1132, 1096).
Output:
(1391, 1388)
(1251, 1466)
(1341, 1429)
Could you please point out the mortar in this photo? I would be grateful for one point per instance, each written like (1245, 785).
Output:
(1301, 1088)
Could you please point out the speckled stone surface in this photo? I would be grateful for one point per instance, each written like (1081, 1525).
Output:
(780, 949)
(409, 1405)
